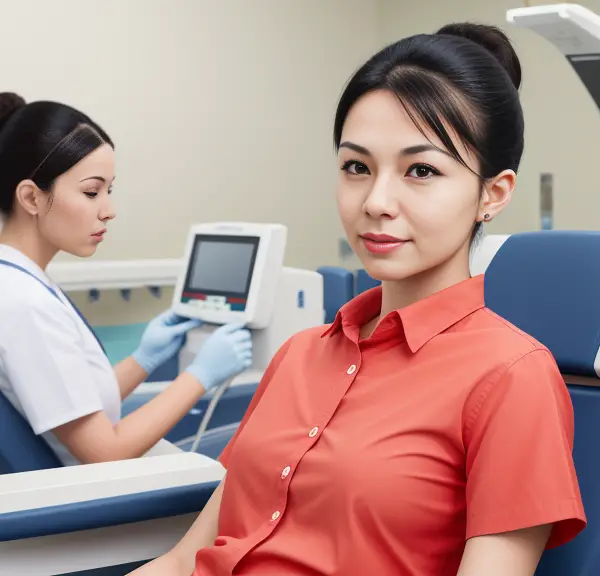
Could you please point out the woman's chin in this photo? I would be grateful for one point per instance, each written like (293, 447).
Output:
(82, 251)
(387, 270)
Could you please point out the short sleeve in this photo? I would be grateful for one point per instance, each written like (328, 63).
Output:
(519, 441)
(260, 390)
(46, 367)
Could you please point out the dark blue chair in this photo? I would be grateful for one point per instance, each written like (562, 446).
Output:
(548, 284)
(364, 282)
(20, 449)
(213, 441)
(231, 409)
(338, 288)
(181, 488)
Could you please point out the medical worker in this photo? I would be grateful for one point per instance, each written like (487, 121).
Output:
(419, 434)
(56, 176)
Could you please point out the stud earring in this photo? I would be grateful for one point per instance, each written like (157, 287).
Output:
(486, 216)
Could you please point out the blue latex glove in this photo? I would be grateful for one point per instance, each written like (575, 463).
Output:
(163, 338)
(225, 354)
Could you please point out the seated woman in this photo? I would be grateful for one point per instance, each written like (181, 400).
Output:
(55, 195)
(419, 434)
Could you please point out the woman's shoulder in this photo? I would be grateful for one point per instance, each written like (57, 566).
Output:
(516, 363)
(307, 339)
(506, 341)
(25, 302)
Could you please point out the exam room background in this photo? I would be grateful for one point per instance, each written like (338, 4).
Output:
(223, 109)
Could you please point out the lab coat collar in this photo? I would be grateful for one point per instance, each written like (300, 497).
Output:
(17, 257)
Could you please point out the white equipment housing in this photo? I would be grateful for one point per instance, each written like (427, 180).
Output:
(574, 30)
(231, 272)
(484, 251)
(296, 306)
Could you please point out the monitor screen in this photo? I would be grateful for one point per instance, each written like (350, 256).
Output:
(220, 272)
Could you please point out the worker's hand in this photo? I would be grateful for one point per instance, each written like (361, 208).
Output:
(226, 353)
(162, 339)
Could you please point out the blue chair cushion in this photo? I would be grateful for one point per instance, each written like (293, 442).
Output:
(547, 283)
(338, 288)
(231, 408)
(581, 556)
(365, 282)
(213, 441)
(20, 449)
(104, 512)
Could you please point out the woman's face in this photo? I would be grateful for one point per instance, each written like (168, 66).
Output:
(77, 211)
(406, 204)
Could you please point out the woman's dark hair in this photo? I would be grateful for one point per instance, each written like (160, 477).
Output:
(39, 142)
(465, 76)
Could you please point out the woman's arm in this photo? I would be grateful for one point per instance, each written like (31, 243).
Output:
(94, 438)
(203, 532)
(515, 553)
(129, 375)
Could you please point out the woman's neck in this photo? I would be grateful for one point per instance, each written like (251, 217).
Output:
(399, 294)
(26, 239)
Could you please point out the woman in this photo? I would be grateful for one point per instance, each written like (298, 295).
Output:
(419, 434)
(55, 184)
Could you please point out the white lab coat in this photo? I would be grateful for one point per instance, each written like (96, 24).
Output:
(52, 369)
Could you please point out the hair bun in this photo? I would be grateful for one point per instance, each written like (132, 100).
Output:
(493, 40)
(9, 103)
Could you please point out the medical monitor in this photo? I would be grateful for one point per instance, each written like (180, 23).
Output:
(574, 30)
(231, 271)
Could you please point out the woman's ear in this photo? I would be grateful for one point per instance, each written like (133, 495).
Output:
(497, 193)
(27, 196)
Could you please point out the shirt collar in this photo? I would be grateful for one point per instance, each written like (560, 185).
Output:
(422, 320)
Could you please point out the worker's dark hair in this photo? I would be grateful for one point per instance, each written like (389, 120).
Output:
(465, 76)
(39, 142)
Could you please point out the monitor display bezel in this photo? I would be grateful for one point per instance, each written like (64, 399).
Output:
(223, 239)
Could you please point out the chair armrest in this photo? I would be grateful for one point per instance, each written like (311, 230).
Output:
(164, 448)
(76, 498)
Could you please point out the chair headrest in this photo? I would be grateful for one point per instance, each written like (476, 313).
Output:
(364, 282)
(547, 284)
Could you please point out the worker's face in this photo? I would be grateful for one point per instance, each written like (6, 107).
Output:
(77, 212)
(396, 182)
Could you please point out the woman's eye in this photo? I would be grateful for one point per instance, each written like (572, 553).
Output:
(355, 167)
(91, 194)
(422, 171)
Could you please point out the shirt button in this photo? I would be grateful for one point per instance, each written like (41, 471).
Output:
(352, 369)
(285, 472)
(275, 515)
(313, 432)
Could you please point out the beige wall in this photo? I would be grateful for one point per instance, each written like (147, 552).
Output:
(562, 122)
(220, 109)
